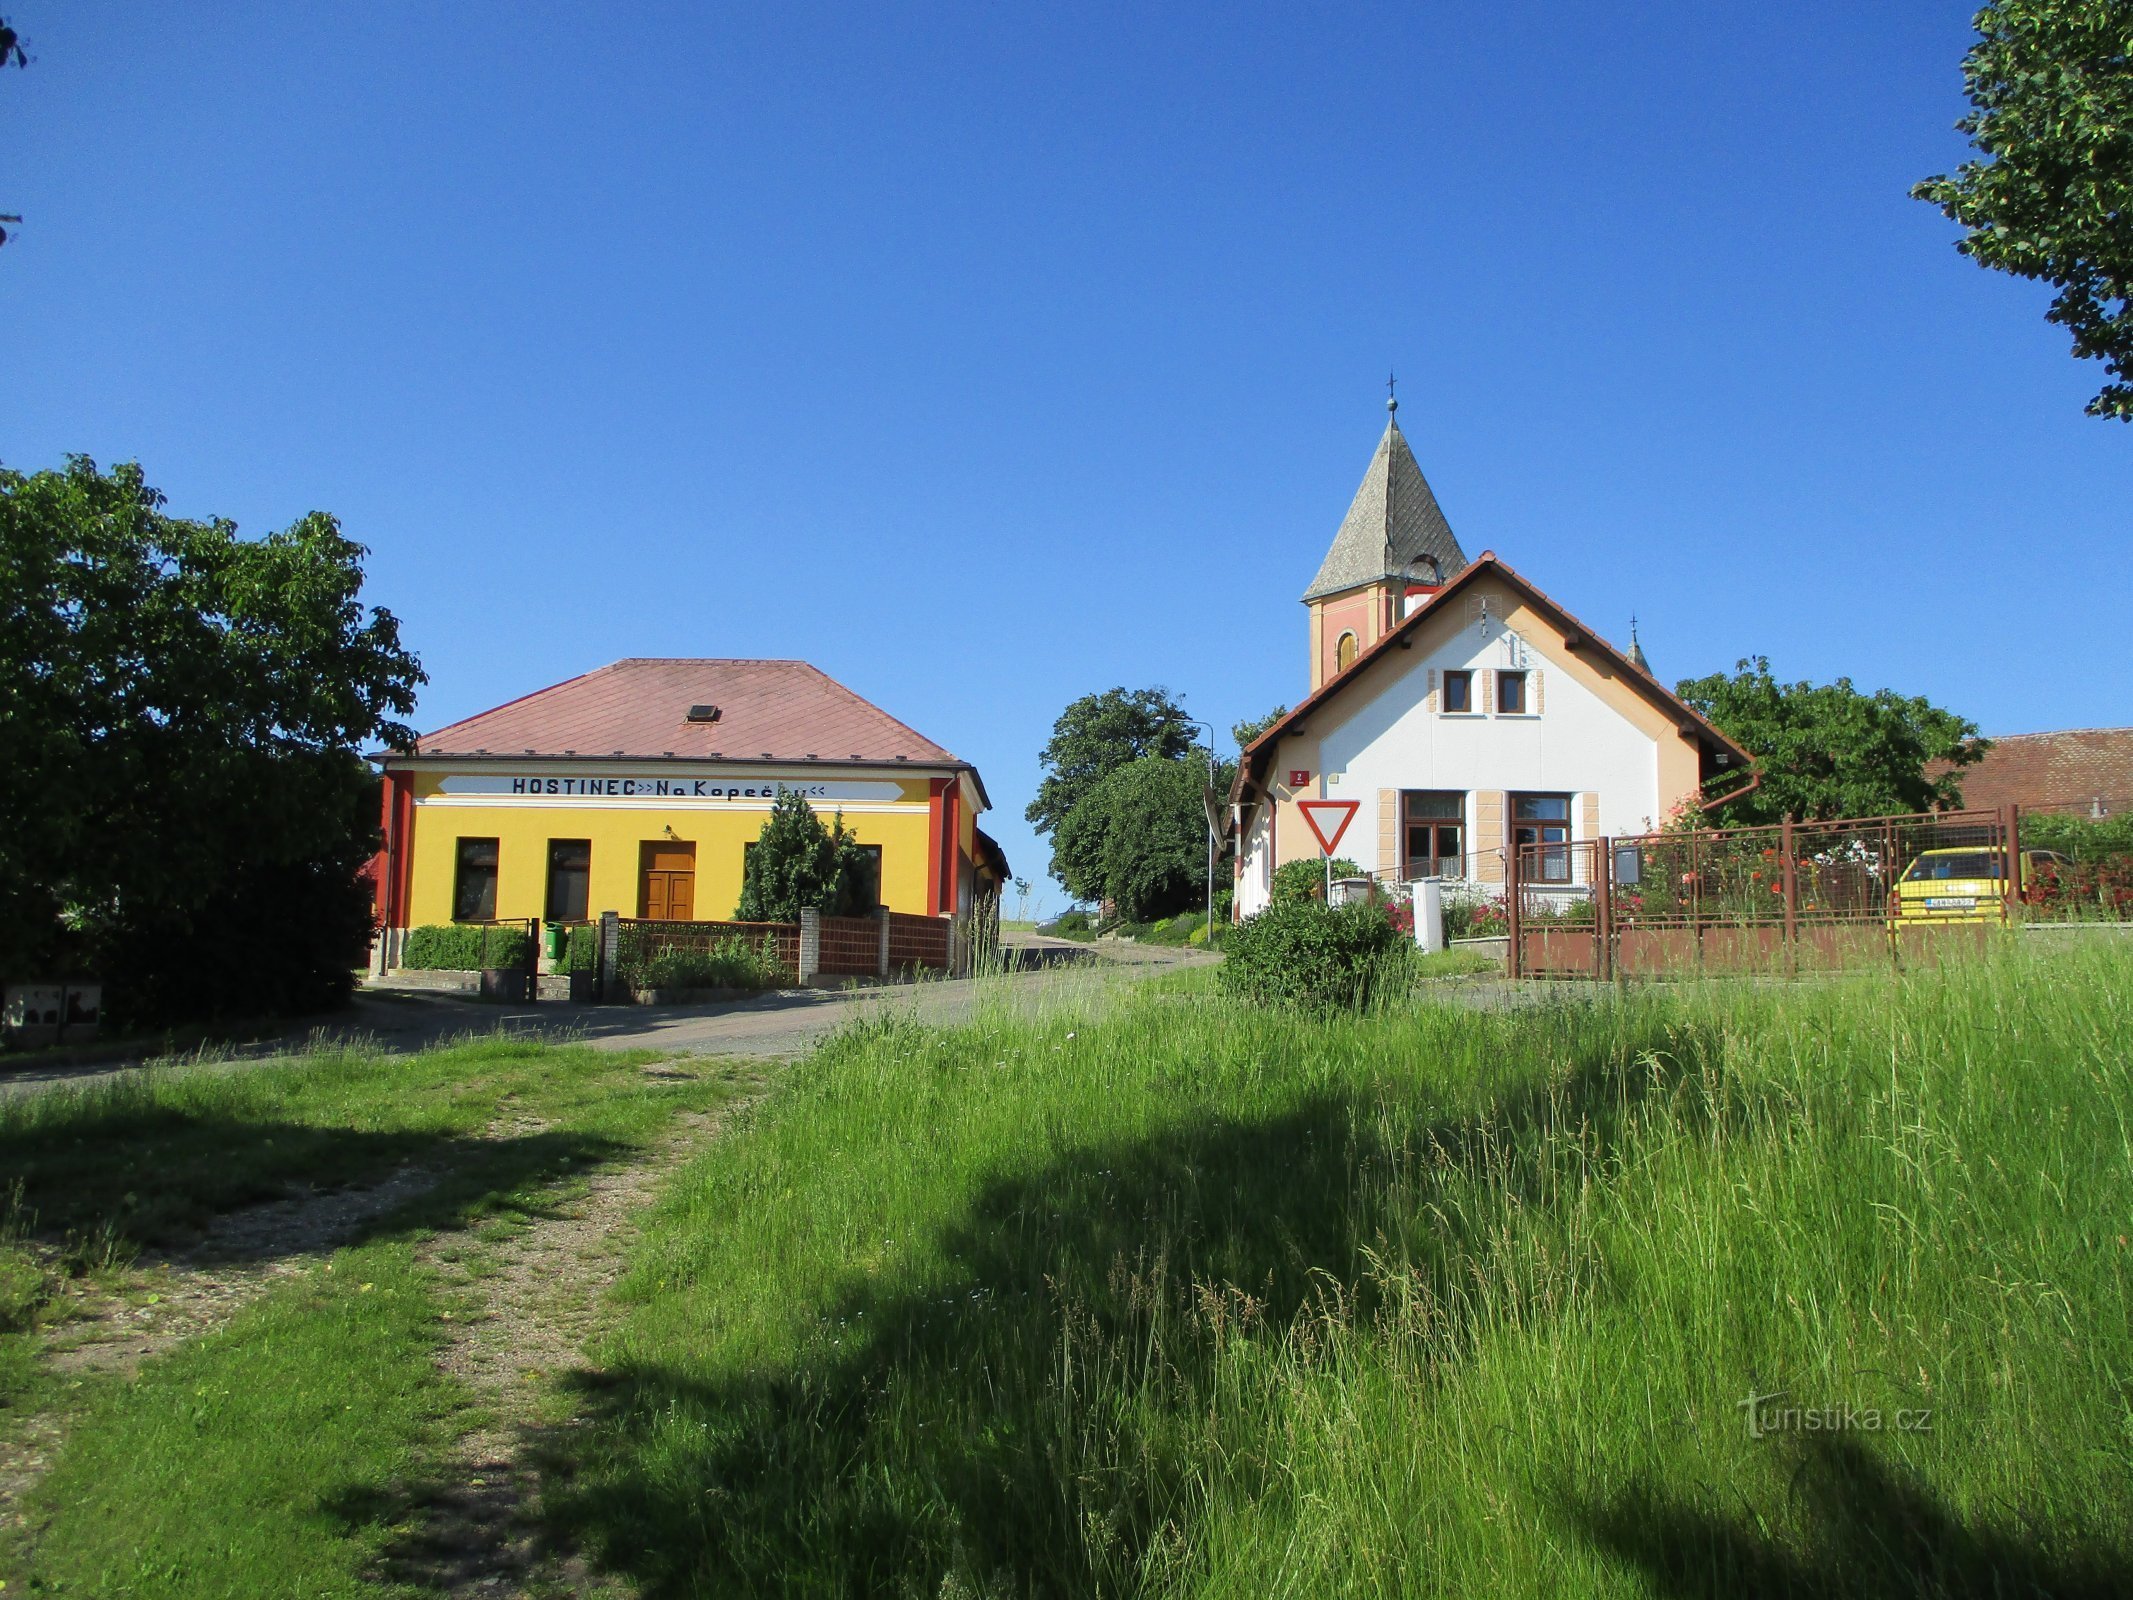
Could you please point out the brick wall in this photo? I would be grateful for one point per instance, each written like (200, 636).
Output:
(918, 941)
(851, 946)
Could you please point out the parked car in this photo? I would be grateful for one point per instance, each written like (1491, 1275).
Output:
(1965, 883)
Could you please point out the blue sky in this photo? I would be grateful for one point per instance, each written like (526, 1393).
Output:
(985, 355)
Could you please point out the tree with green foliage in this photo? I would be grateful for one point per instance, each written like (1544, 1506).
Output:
(1139, 839)
(797, 864)
(1098, 734)
(1245, 732)
(1827, 750)
(2051, 82)
(186, 812)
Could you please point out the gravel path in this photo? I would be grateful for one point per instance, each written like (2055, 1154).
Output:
(786, 1022)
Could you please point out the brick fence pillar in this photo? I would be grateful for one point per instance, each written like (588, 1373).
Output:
(881, 961)
(810, 943)
(610, 953)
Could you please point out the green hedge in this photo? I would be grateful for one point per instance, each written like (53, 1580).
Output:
(1314, 957)
(730, 964)
(2082, 838)
(1305, 878)
(582, 954)
(464, 947)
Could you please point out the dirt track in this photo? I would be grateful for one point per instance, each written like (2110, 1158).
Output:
(782, 1023)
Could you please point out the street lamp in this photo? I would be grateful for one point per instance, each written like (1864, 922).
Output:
(1197, 723)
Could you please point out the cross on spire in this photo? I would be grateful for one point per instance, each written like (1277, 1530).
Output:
(1392, 400)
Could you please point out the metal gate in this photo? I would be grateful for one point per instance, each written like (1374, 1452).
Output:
(1786, 898)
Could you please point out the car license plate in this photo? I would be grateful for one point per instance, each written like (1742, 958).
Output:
(1952, 903)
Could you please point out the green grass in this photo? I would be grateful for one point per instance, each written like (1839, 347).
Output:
(287, 1452)
(1178, 1297)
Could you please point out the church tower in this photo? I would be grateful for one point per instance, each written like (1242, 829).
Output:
(1394, 550)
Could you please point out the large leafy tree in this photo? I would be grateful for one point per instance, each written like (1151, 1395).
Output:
(797, 864)
(2051, 82)
(1138, 838)
(1827, 750)
(1094, 737)
(186, 813)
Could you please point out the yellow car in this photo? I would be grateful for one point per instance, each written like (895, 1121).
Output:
(1964, 884)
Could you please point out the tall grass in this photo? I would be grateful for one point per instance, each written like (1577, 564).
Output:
(1176, 1296)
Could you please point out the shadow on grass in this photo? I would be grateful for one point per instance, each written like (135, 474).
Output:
(221, 1189)
(1871, 1534)
(1035, 1418)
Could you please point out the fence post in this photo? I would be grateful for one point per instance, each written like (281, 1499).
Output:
(610, 953)
(1792, 896)
(2011, 898)
(1891, 869)
(1514, 963)
(810, 943)
(881, 962)
(1603, 921)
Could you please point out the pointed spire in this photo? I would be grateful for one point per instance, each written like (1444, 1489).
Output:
(1636, 651)
(1393, 523)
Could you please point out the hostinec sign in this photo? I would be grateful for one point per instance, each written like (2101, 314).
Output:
(649, 788)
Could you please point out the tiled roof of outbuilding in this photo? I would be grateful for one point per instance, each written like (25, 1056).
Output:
(2076, 769)
(767, 710)
(1393, 520)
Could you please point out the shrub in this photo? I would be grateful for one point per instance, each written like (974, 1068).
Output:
(1305, 879)
(2082, 890)
(464, 947)
(798, 864)
(1470, 918)
(730, 964)
(582, 954)
(2082, 838)
(1314, 957)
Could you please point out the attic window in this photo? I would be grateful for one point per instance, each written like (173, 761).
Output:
(703, 713)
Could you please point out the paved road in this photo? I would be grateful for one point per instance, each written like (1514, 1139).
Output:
(783, 1023)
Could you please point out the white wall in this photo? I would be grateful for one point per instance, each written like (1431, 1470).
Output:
(1379, 734)
(1255, 884)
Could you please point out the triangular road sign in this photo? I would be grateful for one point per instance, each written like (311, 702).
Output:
(1345, 809)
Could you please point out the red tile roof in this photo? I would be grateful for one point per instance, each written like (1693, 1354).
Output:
(2071, 770)
(767, 710)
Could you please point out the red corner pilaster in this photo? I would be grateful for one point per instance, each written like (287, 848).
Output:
(951, 846)
(934, 805)
(399, 852)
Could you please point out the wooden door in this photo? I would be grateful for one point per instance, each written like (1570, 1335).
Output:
(667, 870)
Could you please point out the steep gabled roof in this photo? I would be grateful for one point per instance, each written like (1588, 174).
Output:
(1251, 770)
(767, 710)
(1393, 520)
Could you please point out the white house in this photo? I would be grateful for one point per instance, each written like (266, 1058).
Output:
(1463, 709)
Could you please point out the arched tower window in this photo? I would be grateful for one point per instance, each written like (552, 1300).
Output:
(1344, 653)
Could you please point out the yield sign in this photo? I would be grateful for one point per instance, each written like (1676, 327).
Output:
(1345, 810)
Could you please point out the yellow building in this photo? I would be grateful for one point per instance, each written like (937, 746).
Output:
(637, 789)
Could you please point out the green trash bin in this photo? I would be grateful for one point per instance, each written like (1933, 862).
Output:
(558, 941)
